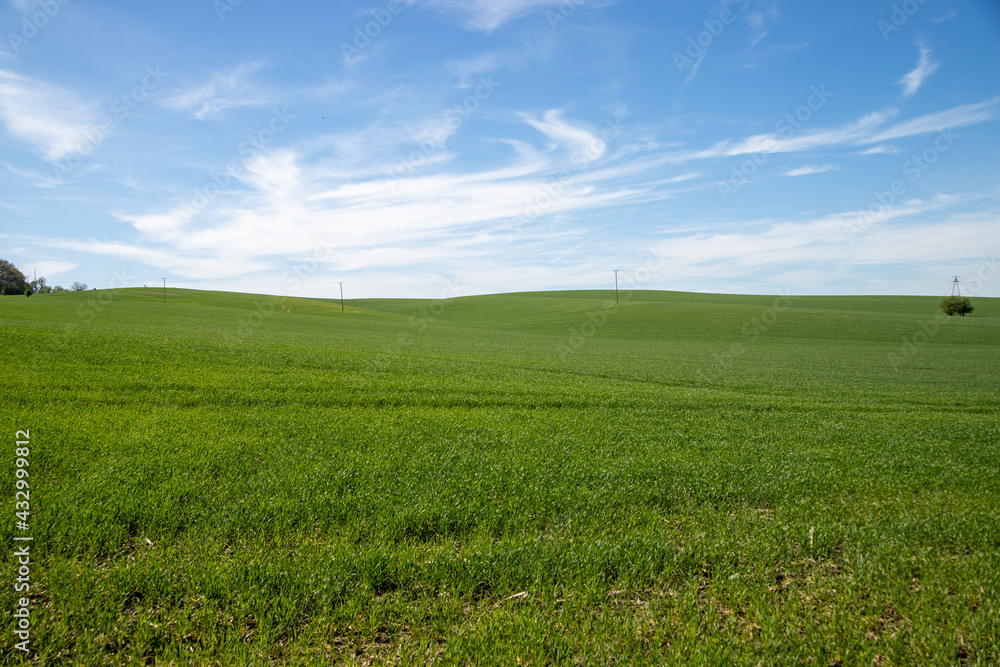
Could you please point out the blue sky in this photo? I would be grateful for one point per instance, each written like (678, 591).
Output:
(438, 147)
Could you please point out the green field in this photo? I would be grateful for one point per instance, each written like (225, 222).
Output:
(538, 477)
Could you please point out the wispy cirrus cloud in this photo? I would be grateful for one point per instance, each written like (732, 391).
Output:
(228, 89)
(909, 231)
(50, 268)
(811, 169)
(290, 197)
(960, 116)
(469, 71)
(873, 128)
(573, 136)
(949, 15)
(912, 80)
(337, 191)
(488, 15)
(880, 150)
(759, 21)
(213, 266)
(35, 178)
(51, 118)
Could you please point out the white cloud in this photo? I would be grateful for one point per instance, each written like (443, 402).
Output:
(225, 90)
(811, 169)
(880, 149)
(388, 148)
(216, 266)
(288, 199)
(51, 268)
(23, 210)
(968, 114)
(333, 193)
(576, 138)
(51, 118)
(694, 70)
(758, 22)
(856, 132)
(868, 129)
(912, 231)
(468, 70)
(681, 178)
(912, 81)
(35, 178)
(157, 224)
(488, 15)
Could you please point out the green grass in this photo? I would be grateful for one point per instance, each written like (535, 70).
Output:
(701, 479)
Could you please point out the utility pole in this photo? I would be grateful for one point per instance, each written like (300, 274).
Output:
(164, 290)
(616, 286)
(955, 289)
(341, 283)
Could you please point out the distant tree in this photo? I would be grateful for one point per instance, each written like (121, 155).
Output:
(956, 305)
(40, 286)
(59, 288)
(12, 281)
(78, 287)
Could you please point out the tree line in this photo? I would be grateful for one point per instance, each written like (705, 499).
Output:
(12, 281)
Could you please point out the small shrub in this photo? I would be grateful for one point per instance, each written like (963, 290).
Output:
(956, 305)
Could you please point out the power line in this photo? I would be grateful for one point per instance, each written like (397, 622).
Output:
(486, 282)
(687, 278)
(801, 282)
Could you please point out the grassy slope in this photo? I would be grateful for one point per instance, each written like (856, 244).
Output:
(696, 481)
